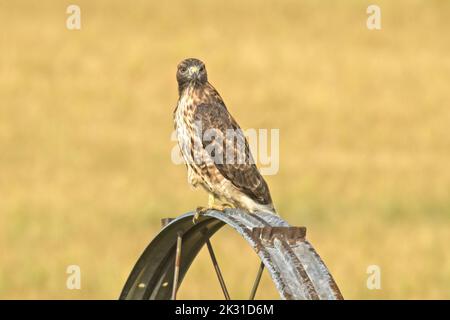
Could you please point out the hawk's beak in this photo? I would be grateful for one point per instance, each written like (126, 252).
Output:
(193, 71)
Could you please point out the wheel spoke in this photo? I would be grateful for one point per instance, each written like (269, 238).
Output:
(257, 280)
(177, 266)
(216, 267)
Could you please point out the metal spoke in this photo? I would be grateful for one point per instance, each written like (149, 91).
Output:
(216, 267)
(257, 280)
(177, 266)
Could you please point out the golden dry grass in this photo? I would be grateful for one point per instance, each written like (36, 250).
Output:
(86, 118)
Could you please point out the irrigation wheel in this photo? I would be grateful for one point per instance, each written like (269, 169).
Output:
(296, 269)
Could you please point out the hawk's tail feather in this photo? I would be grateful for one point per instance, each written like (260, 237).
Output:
(269, 208)
(273, 211)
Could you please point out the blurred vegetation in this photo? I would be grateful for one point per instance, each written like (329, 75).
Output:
(86, 119)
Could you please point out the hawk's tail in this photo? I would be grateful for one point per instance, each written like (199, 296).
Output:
(273, 211)
(269, 208)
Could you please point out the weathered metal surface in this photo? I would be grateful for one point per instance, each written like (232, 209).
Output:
(293, 264)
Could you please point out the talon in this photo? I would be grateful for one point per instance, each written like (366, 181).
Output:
(198, 212)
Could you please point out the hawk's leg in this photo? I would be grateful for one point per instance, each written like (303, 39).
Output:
(211, 206)
(201, 210)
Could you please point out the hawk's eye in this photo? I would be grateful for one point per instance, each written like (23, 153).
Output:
(202, 68)
(183, 69)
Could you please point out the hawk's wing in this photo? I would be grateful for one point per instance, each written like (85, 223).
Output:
(215, 120)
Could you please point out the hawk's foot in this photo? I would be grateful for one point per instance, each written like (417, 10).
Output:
(198, 212)
(222, 206)
(202, 210)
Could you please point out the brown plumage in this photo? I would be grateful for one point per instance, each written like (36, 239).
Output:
(215, 150)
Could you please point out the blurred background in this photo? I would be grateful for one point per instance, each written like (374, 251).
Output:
(86, 119)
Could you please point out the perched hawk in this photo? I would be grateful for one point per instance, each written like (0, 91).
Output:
(216, 153)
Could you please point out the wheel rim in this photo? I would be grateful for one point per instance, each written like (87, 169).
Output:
(294, 266)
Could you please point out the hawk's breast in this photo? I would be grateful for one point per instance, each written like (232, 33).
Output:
(189, 139)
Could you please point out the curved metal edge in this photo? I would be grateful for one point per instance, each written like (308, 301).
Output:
(296, 269)
(152, 276)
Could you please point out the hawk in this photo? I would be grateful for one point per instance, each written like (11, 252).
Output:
(213, 146)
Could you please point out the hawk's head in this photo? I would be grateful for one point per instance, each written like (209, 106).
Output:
(191, 71)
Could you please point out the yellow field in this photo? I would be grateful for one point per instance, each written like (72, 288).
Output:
(86, 119)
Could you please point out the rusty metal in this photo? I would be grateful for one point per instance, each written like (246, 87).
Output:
(217, 269)
(257, 280)
(294, 266)
(177, 265)
(267, 235)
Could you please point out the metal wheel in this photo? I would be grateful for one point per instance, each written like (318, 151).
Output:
(294, 266)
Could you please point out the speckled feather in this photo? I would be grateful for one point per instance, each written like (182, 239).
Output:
(200, 108)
